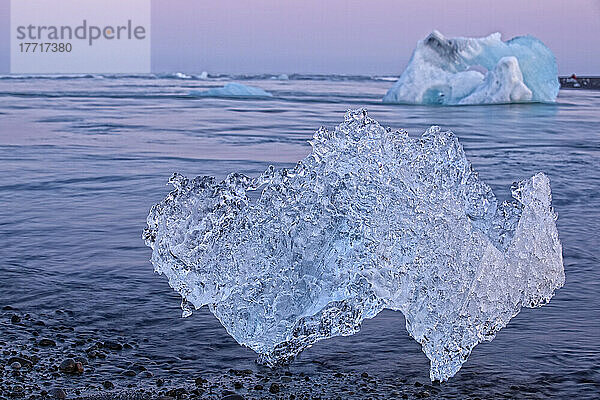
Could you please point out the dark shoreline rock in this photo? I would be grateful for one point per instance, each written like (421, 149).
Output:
(46, 342)
(70, 366)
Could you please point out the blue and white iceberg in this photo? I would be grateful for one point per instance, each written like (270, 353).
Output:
(448, 71)
(371, 219)
(232, 89)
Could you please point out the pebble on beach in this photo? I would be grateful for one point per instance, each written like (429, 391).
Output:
(57, 393)
(46, 342)
(108, 385)
(274, 388)
(70, 366)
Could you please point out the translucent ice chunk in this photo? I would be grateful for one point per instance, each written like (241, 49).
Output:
(371, 219)
(232, 89)
(444, 71)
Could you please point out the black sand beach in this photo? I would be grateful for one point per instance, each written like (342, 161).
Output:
(46, 356)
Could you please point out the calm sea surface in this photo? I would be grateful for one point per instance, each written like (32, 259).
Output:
(82, 159)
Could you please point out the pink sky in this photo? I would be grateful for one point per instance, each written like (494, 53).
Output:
(348, 36)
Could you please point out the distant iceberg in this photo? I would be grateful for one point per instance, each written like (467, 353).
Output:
(281, 77)
(232, 89)
(447, 71)
(371, 219)
(181, 75)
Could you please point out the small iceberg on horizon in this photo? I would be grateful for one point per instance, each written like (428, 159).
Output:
(281, 77)
(179, 75)
(232, 89)
(371, 219)
(447, 71)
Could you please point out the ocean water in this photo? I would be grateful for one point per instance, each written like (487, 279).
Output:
(82, 159)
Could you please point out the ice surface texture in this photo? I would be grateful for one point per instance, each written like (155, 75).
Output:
(232, 89)
(371, 219)
(444, 71)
